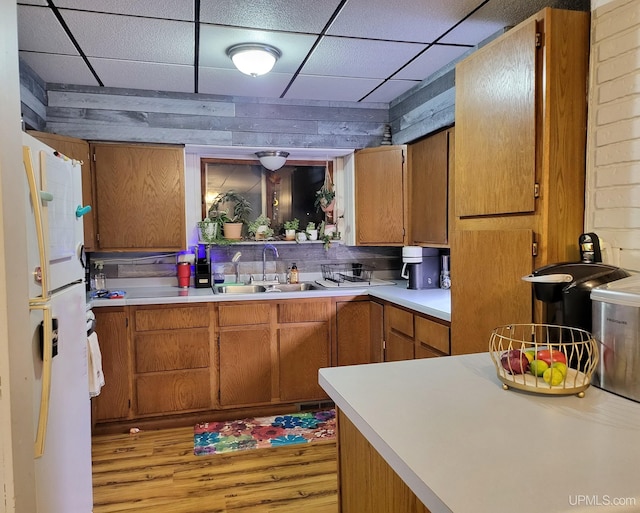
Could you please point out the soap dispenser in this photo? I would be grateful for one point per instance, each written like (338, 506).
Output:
(293, 274)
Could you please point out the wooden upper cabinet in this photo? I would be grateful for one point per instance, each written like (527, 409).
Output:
(429, 189)
(140, 197)
(496, 126)
(380, 196)
(79, 150)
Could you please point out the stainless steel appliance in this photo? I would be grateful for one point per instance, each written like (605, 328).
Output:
(421, 267)
(59, 330)
(616, 327)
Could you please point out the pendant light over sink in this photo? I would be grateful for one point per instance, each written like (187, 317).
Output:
(272, 160)
(254, 59)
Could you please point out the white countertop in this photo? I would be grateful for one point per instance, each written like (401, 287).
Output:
(465, 445)
(434, 302)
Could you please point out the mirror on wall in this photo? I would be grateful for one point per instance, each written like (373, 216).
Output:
(282, 195)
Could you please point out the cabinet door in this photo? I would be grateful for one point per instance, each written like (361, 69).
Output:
(358, 332)
(140, 197)
(487, 289)
(380, 192)
(302, 351)
(79, 150)
(496, 126)
(432, 338)
(113, 403)
(399, 334)
(245, 366)
(429, 189)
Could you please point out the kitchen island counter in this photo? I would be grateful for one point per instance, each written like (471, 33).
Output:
(463, 444)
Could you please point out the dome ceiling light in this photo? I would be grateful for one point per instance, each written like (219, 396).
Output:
(272, 160)
(254, 58)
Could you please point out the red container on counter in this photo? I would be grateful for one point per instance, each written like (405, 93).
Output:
(184, 274)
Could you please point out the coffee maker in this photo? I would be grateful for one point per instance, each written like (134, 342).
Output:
(203, 269)
(421, 267)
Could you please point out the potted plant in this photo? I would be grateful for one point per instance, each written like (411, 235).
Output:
(325, 198)
(290, 228)
(261, 229)
(232, 227)
(311, 231)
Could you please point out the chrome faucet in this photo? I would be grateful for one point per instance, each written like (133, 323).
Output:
(264, 258)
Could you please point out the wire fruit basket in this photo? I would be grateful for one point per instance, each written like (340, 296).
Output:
(544, 358)
(339, 273)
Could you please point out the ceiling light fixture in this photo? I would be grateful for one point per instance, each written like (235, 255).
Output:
(272, 160)
(254, 58)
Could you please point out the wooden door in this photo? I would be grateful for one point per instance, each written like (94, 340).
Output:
(303, 349)
(432, 338)
(429, 179)
(114, 401)
(140, 197)
(245, 366)
(487, 289)
(380, 192)
(399, 334)
(355, 335)
(496, 126)
(79, 150)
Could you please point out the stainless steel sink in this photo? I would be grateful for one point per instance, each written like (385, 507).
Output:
(239, 289)
(258, 289)
(290, 287)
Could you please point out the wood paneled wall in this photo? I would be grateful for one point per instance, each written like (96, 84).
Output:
(33, 98)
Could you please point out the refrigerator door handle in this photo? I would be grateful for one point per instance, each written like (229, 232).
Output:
(35, 195)
(47, 355)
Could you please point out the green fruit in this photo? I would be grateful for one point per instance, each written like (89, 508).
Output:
(538, 367)
(561, 367)
(553, 376)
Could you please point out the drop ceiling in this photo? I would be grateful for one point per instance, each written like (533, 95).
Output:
(332, 50)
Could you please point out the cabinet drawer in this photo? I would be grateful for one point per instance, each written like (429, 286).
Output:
(400, 320)
(174, 317)
(432, 334)
(243, 315)
(172, 350)
(303, 311)
(173, 391)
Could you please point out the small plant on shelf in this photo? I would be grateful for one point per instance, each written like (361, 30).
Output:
(261, 229)
(290, 228)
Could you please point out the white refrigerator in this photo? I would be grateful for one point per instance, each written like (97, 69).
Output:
(62, 445)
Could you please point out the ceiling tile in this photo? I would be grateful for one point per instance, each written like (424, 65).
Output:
(40, 31)
(431, 61)
(408, 20)
(233, 83)
(345, 57)
(307, 87)
(214, 42)
(174, 10)
(390, 90)
(60, 69)
(308, 16)
(34, 2)
(137, 39)
(144, 75)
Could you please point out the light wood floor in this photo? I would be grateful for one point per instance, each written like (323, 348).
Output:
(156, 471)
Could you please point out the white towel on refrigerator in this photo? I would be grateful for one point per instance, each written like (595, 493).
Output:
(96, 377)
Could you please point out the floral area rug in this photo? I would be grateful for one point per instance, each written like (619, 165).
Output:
(254, 433)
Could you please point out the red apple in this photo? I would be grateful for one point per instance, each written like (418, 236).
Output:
(514, 361)
(551, 356)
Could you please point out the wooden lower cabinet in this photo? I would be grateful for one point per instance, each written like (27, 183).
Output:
(367, 482)
(114, 401)
(171, 359)
(410, 335)
(359, 332)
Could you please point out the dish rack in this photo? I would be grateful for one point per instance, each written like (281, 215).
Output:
(354, 272)
(573, 352)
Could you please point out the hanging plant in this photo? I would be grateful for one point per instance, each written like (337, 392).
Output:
(326, 195)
